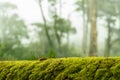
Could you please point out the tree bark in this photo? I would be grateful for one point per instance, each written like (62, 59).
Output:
(93, 33)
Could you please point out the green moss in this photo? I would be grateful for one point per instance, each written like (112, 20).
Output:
(62, 69)
(116, 70)
(5, 69)
(38, 68)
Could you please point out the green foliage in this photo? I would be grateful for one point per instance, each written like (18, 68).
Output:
(62, 69)
(12, 31)
(64, 26)
(51, 54)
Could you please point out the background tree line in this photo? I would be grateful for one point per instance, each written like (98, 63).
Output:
(52, 37)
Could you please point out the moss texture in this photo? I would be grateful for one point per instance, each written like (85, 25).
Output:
(62, 69)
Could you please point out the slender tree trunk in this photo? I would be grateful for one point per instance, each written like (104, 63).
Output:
(93, 33)
(85, 28)
(108, 40)
(68, 40)
(2, 43)
(55, 28)
(56, 32)
(83, 41)
(58, 36)
(45, 24)
(68, 34)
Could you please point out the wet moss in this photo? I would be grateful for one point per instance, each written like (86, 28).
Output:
(62, 69)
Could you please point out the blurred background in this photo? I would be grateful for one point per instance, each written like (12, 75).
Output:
(31, 29)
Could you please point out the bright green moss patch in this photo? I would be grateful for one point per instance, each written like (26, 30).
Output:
(62, 69)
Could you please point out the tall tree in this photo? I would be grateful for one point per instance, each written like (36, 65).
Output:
(109, 37)
(107, 10)
(85, 26)
(12, 31)
(54, 15)
(93, 33)
(84, 8)
(112, 40)
(60, 25)
(45, 24)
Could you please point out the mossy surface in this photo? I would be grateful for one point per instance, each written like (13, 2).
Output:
(62, 69)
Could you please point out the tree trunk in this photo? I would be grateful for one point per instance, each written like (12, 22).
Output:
(56, 32)
(55, 28)
(85, 28)
(93, 33)
(58, 36)
(45, 25)
(108, 40)
(68, 34)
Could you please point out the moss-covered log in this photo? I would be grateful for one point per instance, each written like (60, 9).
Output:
(62, 69)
